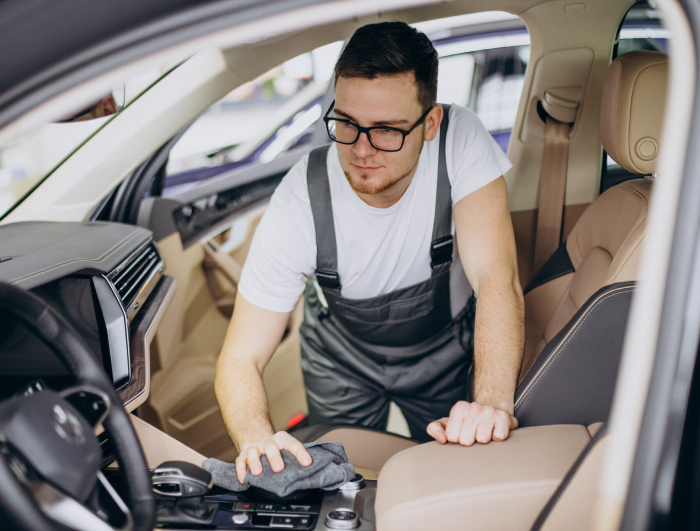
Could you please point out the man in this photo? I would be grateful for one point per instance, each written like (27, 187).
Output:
(369, 220)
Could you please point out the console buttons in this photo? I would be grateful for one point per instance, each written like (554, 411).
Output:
(271, 507)
(303, 522)
(240, 518)
(283, 522)
(342, 519)
(304, 508)
(245, 506)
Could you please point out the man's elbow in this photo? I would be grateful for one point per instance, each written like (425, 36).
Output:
(503, 281)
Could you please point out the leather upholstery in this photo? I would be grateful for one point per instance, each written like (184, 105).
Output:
(489, 486)
(605, 245)
(573, 379)
(632, 108)
(604, 248)
(572, 507)
(366, 448)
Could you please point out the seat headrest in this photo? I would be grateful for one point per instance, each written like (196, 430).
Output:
(632, 109)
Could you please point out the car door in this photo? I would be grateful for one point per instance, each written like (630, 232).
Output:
(207, 196)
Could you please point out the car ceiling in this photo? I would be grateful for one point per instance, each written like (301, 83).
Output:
(81, 39)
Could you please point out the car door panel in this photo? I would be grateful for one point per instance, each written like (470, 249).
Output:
(206, 261)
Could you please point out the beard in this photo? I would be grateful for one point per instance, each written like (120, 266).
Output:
(367, 185)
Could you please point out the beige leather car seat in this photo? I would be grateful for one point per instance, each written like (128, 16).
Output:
(576, 306)
(604, 245)
(638, 81)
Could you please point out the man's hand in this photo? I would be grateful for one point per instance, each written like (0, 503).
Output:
(269, 446)
(470, 422)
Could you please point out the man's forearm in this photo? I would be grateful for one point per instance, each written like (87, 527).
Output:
(243, 401)
(499, 337)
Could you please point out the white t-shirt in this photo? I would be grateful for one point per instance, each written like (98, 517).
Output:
(380, 250)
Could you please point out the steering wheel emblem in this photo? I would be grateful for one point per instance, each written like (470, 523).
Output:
(67, 425)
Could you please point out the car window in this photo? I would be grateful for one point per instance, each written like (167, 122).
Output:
(482, 66)
(497, 93)
(26, 161)
(254, 123)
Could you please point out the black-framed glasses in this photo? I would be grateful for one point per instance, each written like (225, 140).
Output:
(382, 137)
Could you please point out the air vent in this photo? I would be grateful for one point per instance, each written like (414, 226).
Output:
(135, 278)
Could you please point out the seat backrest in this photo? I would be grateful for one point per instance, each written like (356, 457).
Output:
(604, 246)
(580, 298)
(603, 249)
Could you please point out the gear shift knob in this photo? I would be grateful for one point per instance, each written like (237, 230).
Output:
(181, 479)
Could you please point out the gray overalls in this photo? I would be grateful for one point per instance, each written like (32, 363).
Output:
(358, 355)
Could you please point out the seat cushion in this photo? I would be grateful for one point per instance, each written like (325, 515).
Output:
(486, 486)
(367, 449)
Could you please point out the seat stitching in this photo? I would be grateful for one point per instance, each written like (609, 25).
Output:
(629, 257)
(636, 225)
(565, 295)
(571, 335)
(100, 258)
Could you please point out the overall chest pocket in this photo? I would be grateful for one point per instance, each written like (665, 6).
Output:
(397, 311)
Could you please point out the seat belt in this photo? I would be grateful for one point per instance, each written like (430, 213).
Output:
(561, 113)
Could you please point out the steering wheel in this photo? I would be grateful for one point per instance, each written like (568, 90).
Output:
(50, 476)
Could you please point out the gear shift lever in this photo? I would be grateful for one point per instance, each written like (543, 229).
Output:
(181, 480)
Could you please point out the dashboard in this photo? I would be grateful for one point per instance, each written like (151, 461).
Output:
(105, 279)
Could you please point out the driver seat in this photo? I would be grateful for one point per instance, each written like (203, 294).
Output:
(594, 288)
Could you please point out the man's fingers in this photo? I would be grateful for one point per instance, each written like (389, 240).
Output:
(241, 467)
(467, 435)
(484, 430)
(454, 423)
(297, 449)
(274, 456)
(436, 430)
(253, 459)
(502, 426)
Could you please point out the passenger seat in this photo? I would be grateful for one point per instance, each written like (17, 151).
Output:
(577, 305)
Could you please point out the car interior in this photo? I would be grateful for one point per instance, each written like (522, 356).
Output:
(148, 282)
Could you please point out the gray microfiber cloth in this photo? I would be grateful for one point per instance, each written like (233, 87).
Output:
(329, 470)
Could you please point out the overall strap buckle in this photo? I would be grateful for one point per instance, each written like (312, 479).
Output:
(327, 279)
(441, 251)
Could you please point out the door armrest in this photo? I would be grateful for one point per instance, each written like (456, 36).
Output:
(500, 485)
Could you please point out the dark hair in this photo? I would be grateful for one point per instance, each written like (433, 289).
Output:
(390, 48)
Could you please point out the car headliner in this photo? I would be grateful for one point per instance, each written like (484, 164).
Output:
(53, 46)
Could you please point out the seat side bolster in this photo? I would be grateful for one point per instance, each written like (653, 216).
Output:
(571, 505)
(573, 378)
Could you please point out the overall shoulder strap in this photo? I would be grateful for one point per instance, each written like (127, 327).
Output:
(322, 211)
(441, 246)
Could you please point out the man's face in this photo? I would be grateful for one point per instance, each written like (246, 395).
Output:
(385, 100)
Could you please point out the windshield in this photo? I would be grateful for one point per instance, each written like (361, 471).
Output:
(27, 161)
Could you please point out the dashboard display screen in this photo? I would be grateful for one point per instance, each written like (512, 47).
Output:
(25, 358)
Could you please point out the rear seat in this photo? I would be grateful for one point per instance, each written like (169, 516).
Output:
(577, 305)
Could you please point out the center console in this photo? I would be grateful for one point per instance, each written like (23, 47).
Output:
(350, 507)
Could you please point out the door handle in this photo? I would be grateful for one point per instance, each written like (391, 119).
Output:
(228, 265)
